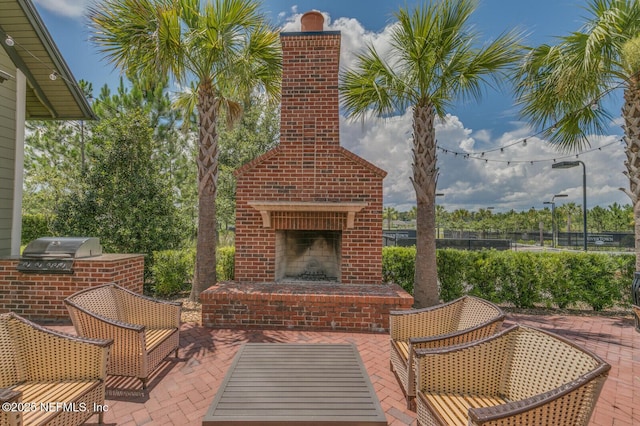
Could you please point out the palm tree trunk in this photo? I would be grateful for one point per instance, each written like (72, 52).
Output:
(631, 114)
(425, 177)
(205, 273)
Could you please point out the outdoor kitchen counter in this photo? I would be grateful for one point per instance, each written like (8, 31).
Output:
(296, 384)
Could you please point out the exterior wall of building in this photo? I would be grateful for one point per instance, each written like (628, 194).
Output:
(7, 152)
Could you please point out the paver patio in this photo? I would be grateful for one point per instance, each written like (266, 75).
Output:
(180, 391)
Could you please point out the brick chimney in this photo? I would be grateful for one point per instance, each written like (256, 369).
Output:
(310, 64)
(309, 209)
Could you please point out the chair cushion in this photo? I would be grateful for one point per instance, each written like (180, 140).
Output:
(154, 337)
(48, 392)
(454, 407)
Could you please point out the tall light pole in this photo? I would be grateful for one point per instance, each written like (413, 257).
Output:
(553, 217)
(438, 194)
(568, 165)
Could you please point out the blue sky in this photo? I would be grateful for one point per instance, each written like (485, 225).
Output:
(505, 181)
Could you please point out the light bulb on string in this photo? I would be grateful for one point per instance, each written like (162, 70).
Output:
(9, 41)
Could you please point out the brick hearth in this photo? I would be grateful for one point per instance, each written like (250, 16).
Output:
(302, 306)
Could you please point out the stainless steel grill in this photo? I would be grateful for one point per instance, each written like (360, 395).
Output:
(56, 254)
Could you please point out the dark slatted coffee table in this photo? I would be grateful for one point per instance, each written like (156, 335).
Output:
(296, 384)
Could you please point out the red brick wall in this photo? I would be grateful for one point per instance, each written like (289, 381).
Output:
(354, 308)
(309, 111)
(336, 179)
(39, 296)
(310, 166)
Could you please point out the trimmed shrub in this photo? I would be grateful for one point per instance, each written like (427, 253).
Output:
(595, 279)
(225, 263)
(452, 265)
(523, 279)
(626, 268)
(172, 271)
(483, 275)
(520, 278)
(556, 285)
(398, 266)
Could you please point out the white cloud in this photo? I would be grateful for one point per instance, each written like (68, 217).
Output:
(69, 8)
(506, 180)
(354, 36)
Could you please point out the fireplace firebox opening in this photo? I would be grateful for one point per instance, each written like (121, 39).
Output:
(308, 255)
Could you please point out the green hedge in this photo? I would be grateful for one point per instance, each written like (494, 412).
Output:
(521, 279)
(35, 226)
(524, 279)
(172, 270)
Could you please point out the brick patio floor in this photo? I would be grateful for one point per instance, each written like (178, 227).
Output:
(181, 390)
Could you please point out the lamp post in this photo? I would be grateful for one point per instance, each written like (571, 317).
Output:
(553, 217)
(438, 194)
(568, 165)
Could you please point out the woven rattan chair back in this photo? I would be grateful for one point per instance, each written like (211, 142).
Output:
(99, 301)
(11, 372)
(474, 311)
(40, 366)
(540, 362)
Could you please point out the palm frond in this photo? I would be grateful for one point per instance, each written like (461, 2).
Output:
(367, 88)
(123, 30)
(433, 60)
(557, 84)
(186, 101)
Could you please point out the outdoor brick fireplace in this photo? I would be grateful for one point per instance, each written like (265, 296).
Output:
(309, 212)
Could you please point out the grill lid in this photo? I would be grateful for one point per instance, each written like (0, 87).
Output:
(63, 247)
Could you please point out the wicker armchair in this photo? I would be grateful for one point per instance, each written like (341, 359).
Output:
(144, 330)
(462, 320)
(42, 366)
(520, 376)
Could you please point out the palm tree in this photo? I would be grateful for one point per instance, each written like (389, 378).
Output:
(390, 214)
(222, 47)
(561, 86)
(433, 61)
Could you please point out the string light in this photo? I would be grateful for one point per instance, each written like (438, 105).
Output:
(54, 75)
(593, 105)
(532, 162)
(10, 41)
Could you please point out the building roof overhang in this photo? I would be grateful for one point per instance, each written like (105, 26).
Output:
(35, 54)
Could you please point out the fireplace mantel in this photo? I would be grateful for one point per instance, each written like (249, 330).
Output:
(266, 207)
